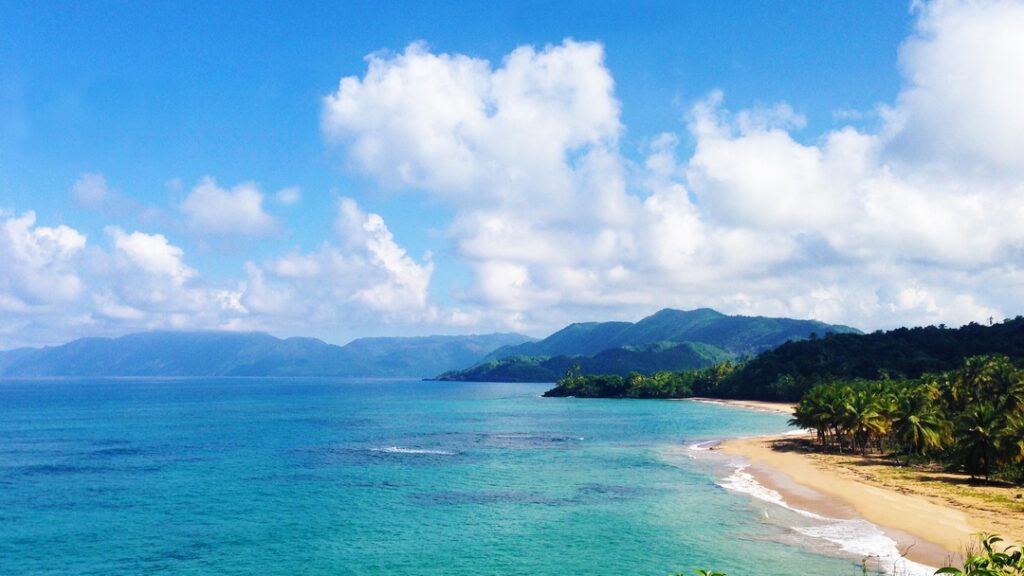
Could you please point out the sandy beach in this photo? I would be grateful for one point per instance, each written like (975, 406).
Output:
(777, 407)
(931, 515)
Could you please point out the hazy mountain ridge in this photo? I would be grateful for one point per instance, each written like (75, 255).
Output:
(667, 340)
(251, 354)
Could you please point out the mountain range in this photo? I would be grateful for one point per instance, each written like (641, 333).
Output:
(251, 354)
(668, 340)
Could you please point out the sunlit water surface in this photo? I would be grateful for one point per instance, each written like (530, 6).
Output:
(342, 476)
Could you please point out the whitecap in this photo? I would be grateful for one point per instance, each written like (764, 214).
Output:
(398, 450)
(856, 537)
(702, 446)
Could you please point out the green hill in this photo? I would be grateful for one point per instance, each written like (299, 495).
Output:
(649, 358)
(788, 371)
(667, 340)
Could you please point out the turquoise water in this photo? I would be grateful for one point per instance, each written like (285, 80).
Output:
(252, 476)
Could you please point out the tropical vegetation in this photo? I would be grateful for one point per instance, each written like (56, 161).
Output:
(971, 418)
(669, 340)
(663, 384)
(787, 372)
(791, 370)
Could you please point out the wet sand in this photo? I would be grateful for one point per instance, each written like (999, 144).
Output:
(923, 511)
(777, 407)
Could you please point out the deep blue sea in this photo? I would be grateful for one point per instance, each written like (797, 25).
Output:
(342, 476)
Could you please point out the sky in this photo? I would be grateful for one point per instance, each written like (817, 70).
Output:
(390, 168)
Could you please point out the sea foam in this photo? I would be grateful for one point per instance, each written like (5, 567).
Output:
(399, 450)
(855, 537)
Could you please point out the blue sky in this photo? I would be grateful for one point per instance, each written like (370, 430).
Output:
(761, 158)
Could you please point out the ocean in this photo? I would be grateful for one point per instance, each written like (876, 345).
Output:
(396, 477)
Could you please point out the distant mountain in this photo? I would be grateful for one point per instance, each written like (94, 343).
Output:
(737, 335)
(667, 340)
(251, 354)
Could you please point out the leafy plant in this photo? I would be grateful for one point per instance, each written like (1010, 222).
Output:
(990, 562)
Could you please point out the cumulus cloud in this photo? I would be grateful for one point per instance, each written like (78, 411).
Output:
(39, 263)
(961, 102)
(456, 126)
(211, 209)
(363, 274)
(152, 254)
(55, 287)
(915, 223)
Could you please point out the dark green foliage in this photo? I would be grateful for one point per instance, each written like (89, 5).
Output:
(736, 335)
(667, 340)
(662, 384)
(250, 354)
(793, 368)
(967, 418)
(621, 361)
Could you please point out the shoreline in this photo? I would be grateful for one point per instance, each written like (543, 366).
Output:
(925, 532)
(932, 515)
(785, 408)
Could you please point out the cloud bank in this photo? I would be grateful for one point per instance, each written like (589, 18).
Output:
(918, 221)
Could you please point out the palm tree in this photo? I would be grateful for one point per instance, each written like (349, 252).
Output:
(917, 426)
(863, 419)
(978, 430)
(1011, 440)
(811, 413)
(833, 408)
(1003, 382)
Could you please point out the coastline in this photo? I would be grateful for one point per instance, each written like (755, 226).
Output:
(925, 531)
(785, 408)
(933, 516)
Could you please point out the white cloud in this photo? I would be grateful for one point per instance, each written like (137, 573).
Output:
(91, 190)
(152, 254)
(54, 287)
(38, 262)
(916, 222)
(364, 277)
(961, 107)
(211, 209)
(455, 126)
(288, 196)
(871, 229)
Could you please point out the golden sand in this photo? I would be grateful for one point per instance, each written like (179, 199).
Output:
(933, 516)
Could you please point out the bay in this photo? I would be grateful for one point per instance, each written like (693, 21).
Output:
(349, 476)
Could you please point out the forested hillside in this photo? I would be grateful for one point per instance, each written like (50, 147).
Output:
(667, 340)
(787, 372)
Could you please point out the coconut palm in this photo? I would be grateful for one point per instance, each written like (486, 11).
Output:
(862, 418)
(918, 427)
(812, 413)
(1011, 440)
(978, 438)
